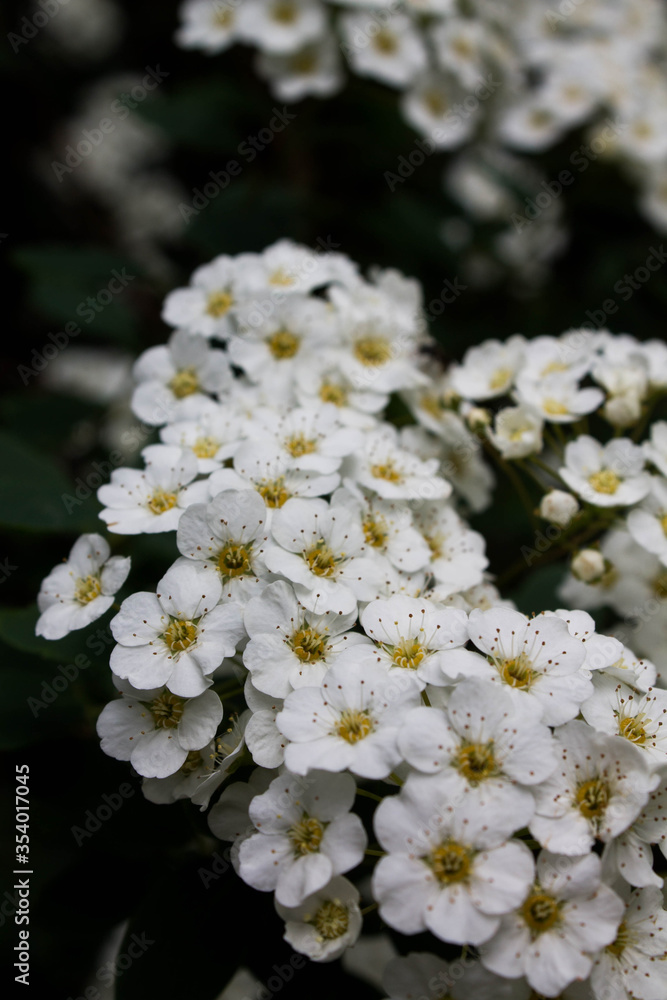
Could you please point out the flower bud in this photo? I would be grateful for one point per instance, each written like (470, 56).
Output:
(588, 565)
(558, 507)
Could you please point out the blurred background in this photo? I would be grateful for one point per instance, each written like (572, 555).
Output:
(99, 222)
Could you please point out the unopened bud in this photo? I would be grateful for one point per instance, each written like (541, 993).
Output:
(588, 565)
(558, 507)
(478, 419)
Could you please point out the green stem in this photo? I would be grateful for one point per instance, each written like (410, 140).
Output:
(369, 909)
(369, 795)
(375, 854)
(395, 777)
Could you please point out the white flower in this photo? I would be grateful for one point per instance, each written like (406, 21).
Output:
(486, 749)
(326, 923)
(641, 718)
(290, 647)
(629, 855)
(458, 557)
(208, 25)
(310, 437)
(648, 523)
(258, 466)
(391, 51)
(568, 916)
(633, 965)
(596, 791)
(517, 431)
(280, 25)
(393, 472)
(350, 722)
(81, 589)
(558, 507)
(432, 107)
(306, 835)
(227, 538)
(410, 634)
(388, 527)
(322, 551)
(447, 870)
(489, 370)
(213, 434)
(149, 501)
(536, 659)
(557, 397)
(155, 729)
(314, 69)
(184, 369)
(178, 636)
(607, 476)
(227, 756)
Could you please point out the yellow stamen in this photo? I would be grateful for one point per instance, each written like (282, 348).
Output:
(87, 589)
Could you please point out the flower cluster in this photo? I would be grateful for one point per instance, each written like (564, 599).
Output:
(574, 414)
(504, 82)
(328, 625)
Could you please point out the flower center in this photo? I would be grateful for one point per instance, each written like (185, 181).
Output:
(540, 912)
(375, 532)
(592, 797)
(299, 444)
(476, 761)
(663, 523)
(161, 501)
(604, 481)
(321, 559)
(234, 559)
(283, 344)
(554, 407)
(179, 635)
(500, 378)
(385, 42)
(632, 728)
(306, 835)
(331, 920)
(451, 862)
(372, 350)
(303, 62)
(220, 302)
(435, 102)
(353, 725)
(191, 762)
(280, 276)
(660, 585)
(308, 645)
(621, 942)
(167, 710)
(409, 653)
(222, 19)
(435, 405)
(387, 471)
(205, 447)
(517, 672)
(87, 589)
(273, 491)
(184, 383)
(332, 393)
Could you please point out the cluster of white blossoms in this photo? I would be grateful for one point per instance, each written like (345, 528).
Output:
(575, 414)
(328, 625)
(502, 81)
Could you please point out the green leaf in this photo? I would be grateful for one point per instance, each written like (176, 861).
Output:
(33, 492)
